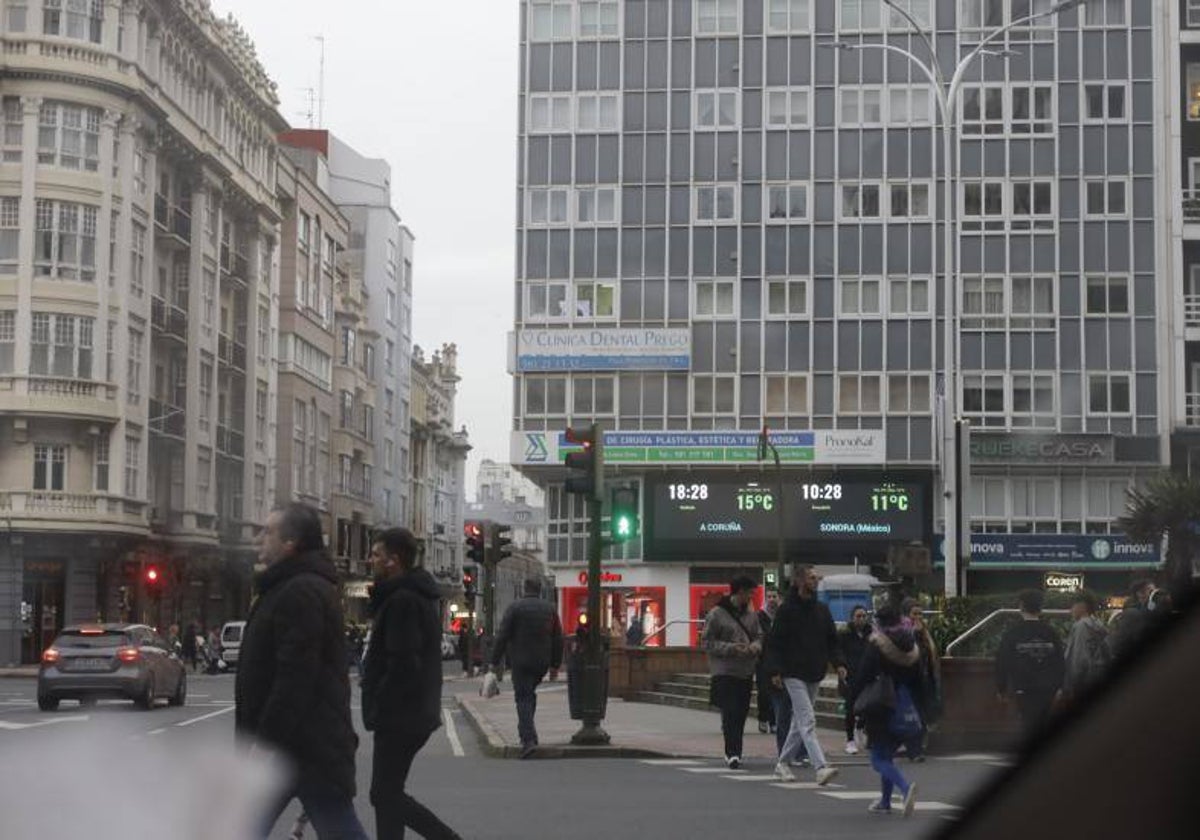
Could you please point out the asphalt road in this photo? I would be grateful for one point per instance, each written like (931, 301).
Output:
(178, 755)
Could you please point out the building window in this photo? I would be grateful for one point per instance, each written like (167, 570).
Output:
(983, 204)
(69, 136)
(49, 467)
(550, 20)
(599, 19)
(908, 296)
(61, 345)
(1032, 110)
(598, 112)
(260, 492)
(716, 109)
(347, 410)
(133, 466)
(1104, 13)
(369, 360)
(80, 19)
(1109, 393)
(983, 303)
(785, 396)
(389, 456)
(260, 416)
(66, 241)
(349, 350)
(787, 298)
(787, 108)
(390, 306)
(100, 464)
(133, 385)
(1033, 400)
(909, 201)
(10, 234)
(262, 327)
(1104, 103)
(137, 266)
(546, 396)
(13, 138)
(859, 394)
(983, 399)
(860, 201)
(1032, 205)
(547, 300)
(717, 17)
(596, 205)
(1032, 304)
(203, 477)
(861, 106)
(716, 203)
(548, 206)
(8, 341)
(982, 110)
(368, 422)
(550, 113)
(909, 106)
(714, 299)
(908, 394)
(860, 296)
(1193, 12)
(1107, 295)
(592, 396)
(17, 15)
(787, 16)
(868, 15)
(713, 395)
(206, 383)
(786, 202)
(1106, 198)
(595, 300)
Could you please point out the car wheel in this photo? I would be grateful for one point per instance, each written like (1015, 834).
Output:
(146, 701)
(47, 704)
(180, 695)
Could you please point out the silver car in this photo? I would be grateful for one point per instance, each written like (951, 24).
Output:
(128, 661)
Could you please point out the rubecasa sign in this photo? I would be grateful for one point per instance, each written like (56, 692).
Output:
(600, 349)
(1019, 448)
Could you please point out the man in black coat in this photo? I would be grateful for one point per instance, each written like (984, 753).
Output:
(402, 682)
(531, 636)
(292, 690)
(1030, 663)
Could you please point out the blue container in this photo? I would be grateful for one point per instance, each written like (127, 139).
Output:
(842, 593)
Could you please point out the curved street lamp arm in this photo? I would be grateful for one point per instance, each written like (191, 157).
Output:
(925, 38)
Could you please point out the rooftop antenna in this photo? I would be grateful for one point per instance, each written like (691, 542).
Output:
(321, 85)
(310, 94)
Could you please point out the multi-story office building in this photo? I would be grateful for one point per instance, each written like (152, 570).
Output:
(137, 272)
(497, 482)
(725, 226)
(439, 457)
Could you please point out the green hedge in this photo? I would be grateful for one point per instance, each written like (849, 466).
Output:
(957, 615)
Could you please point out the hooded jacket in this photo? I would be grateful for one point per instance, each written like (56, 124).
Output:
(1030, 659)
(803, 641)
(1087, 654)
(725, 628)
(293, 684)
(892, 651)
(402, 668)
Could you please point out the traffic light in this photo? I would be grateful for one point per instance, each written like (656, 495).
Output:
(475, 543)
(623, 514)
(589, 461)
(501, 542)
(152, 576)
(469, 578)
(154, 581)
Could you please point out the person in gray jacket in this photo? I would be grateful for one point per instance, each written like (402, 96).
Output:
(531, 636)
(733, 641)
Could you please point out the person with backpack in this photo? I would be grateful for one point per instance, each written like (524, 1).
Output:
(882, 694)
(1087, 655)
(1029, 665)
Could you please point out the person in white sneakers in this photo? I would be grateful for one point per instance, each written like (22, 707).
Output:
(853, 641)
(802, 645)
(733, 642)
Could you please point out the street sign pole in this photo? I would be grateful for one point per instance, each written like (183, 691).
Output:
(765, 445)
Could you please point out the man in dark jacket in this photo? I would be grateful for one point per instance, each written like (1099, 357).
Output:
(531, 636)
(802, 645)
(766, 703)
(292, 690)
(853, 643)
(402, 682)
(1029, 664)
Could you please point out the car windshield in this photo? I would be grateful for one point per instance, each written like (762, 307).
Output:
(231, 634)
(105, 639)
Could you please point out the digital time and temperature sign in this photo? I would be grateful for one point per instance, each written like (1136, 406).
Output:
(723, 514)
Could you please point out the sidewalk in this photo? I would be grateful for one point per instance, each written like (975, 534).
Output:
(638, 730)
(26, 671)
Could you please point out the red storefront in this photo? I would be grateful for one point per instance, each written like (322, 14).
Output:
(620, 605)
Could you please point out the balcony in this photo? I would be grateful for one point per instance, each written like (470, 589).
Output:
(234, 265)
(55, 395)
(230, 442)
(231, 352)
(1191, 208)
(1191, 417)
(1191, 310)
(167, 319)
(172, 221)
(75, 511)
(167, 419)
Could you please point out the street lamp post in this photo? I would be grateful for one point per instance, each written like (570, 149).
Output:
(947, 98)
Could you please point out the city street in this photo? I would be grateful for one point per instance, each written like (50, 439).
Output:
(490, 798)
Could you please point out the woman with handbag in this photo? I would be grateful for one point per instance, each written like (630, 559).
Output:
(883, 689)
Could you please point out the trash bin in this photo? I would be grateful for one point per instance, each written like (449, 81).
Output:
(580, 704)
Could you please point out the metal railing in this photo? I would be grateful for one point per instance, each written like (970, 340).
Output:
(1191, 310)
(990, 618)
(662, 630)
(1192, 409)
(1191, 205)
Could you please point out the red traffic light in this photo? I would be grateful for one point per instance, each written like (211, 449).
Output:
(152, 575)
(472, 530)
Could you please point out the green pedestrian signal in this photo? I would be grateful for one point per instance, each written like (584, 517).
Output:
(623, 514)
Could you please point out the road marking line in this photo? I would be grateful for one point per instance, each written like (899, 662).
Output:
(853, 794)
(803, 786)
(4, 724)
(748, 778)
(156, 731)
(205, 717)
(670, 762)
(972, 757)
(456, 746)
(708, 770)
(850, 795)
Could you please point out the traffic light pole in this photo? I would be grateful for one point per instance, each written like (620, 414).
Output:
(764, 446)
(591, 733)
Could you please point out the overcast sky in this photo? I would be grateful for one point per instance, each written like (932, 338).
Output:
(431, 86)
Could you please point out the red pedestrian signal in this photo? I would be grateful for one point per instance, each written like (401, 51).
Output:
(152, 575)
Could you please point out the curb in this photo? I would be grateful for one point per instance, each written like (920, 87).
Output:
(19, 673)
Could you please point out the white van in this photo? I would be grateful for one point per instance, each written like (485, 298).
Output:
(231, 641)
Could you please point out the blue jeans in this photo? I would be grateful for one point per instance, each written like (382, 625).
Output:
(803, 731)
(889, 773)
(330, 811)
(525, 682)
(783, 722)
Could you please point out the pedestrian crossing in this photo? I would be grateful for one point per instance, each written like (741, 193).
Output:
(834, 791)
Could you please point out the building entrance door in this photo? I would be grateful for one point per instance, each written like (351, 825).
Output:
(41, 607)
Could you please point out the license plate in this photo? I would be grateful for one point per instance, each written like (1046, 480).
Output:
(89, 664)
